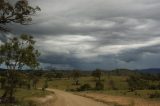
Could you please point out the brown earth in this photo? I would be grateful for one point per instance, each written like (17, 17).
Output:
(121, 100)
(68, 99)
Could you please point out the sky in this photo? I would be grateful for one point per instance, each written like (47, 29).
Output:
(90, 34)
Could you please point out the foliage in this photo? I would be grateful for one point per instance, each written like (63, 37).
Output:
(97, 74)
(2, 81)
(23, 97)
(16, 53)
(35, 81)
(45, 85)
(99, 86)
(59, 75)
(75, 75)
(84, 87)
(19, 12)
(155, 95)
(19, 52)
(135, 83)
(112, 84)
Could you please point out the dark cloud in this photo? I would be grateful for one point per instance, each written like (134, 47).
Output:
(90, 34)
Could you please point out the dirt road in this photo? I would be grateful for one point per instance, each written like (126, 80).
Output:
(67, 99)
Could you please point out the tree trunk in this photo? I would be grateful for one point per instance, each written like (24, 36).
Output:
(9, 88)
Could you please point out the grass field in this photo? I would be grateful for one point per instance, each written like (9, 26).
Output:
(120, 100)
(120, 96)
(65, 83)
(119, 83)
(24, 93)
(23, 96)
(116, 90)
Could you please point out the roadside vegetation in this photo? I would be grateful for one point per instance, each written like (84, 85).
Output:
(132, 86)
(24, 97)
(120, 81)
(16, 53)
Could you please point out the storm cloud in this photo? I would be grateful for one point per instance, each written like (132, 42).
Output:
(89, 34)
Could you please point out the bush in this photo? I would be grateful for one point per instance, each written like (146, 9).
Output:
(154, 87)
(84, 87)
(99, 86)
(155, 95)
(136, 83)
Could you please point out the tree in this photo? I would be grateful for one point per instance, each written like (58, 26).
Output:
(97, 74)
(111, 83)
(99, 85)
(58, 75)
(76, 74)
(136, 83)
(16, 53)
(45, 85)
(2, 81)
(19, 12)
(35, 82)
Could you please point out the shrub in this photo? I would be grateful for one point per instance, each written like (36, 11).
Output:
(112, 85)
(99, 86)
(155, 95)
(135, 83)
(84, 87)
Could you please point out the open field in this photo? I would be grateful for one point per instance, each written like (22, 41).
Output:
(119, 82)
(120, 96)
(65, 83)
(24, 96)
(25, 93)
(115, 92)
(121, 100)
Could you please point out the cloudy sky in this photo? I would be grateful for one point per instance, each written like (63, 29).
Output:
(89, 34)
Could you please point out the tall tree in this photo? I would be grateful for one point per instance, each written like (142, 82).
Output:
(16, 53)
(97, 74)
(136, 83)
(19, 12)
(75, 75)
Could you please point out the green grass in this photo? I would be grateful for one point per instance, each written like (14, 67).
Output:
(119, 82)
(56, 83)
(24, 93)
(22, 96)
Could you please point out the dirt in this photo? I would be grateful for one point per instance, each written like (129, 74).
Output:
(121, 100)
(68, 99)
(44, 101)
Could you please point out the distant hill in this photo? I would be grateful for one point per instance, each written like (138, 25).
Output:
(127, 72)
(150, 70)
(122, 72)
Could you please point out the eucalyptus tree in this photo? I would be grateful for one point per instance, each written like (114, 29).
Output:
(15, 54)
(97, 74)
(75, 75)
(15, 12)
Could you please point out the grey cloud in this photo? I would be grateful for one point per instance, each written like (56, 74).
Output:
(136, 55)
(122, 33)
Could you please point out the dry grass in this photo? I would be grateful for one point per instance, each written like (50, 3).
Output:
(121, 100)
(44, 101)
